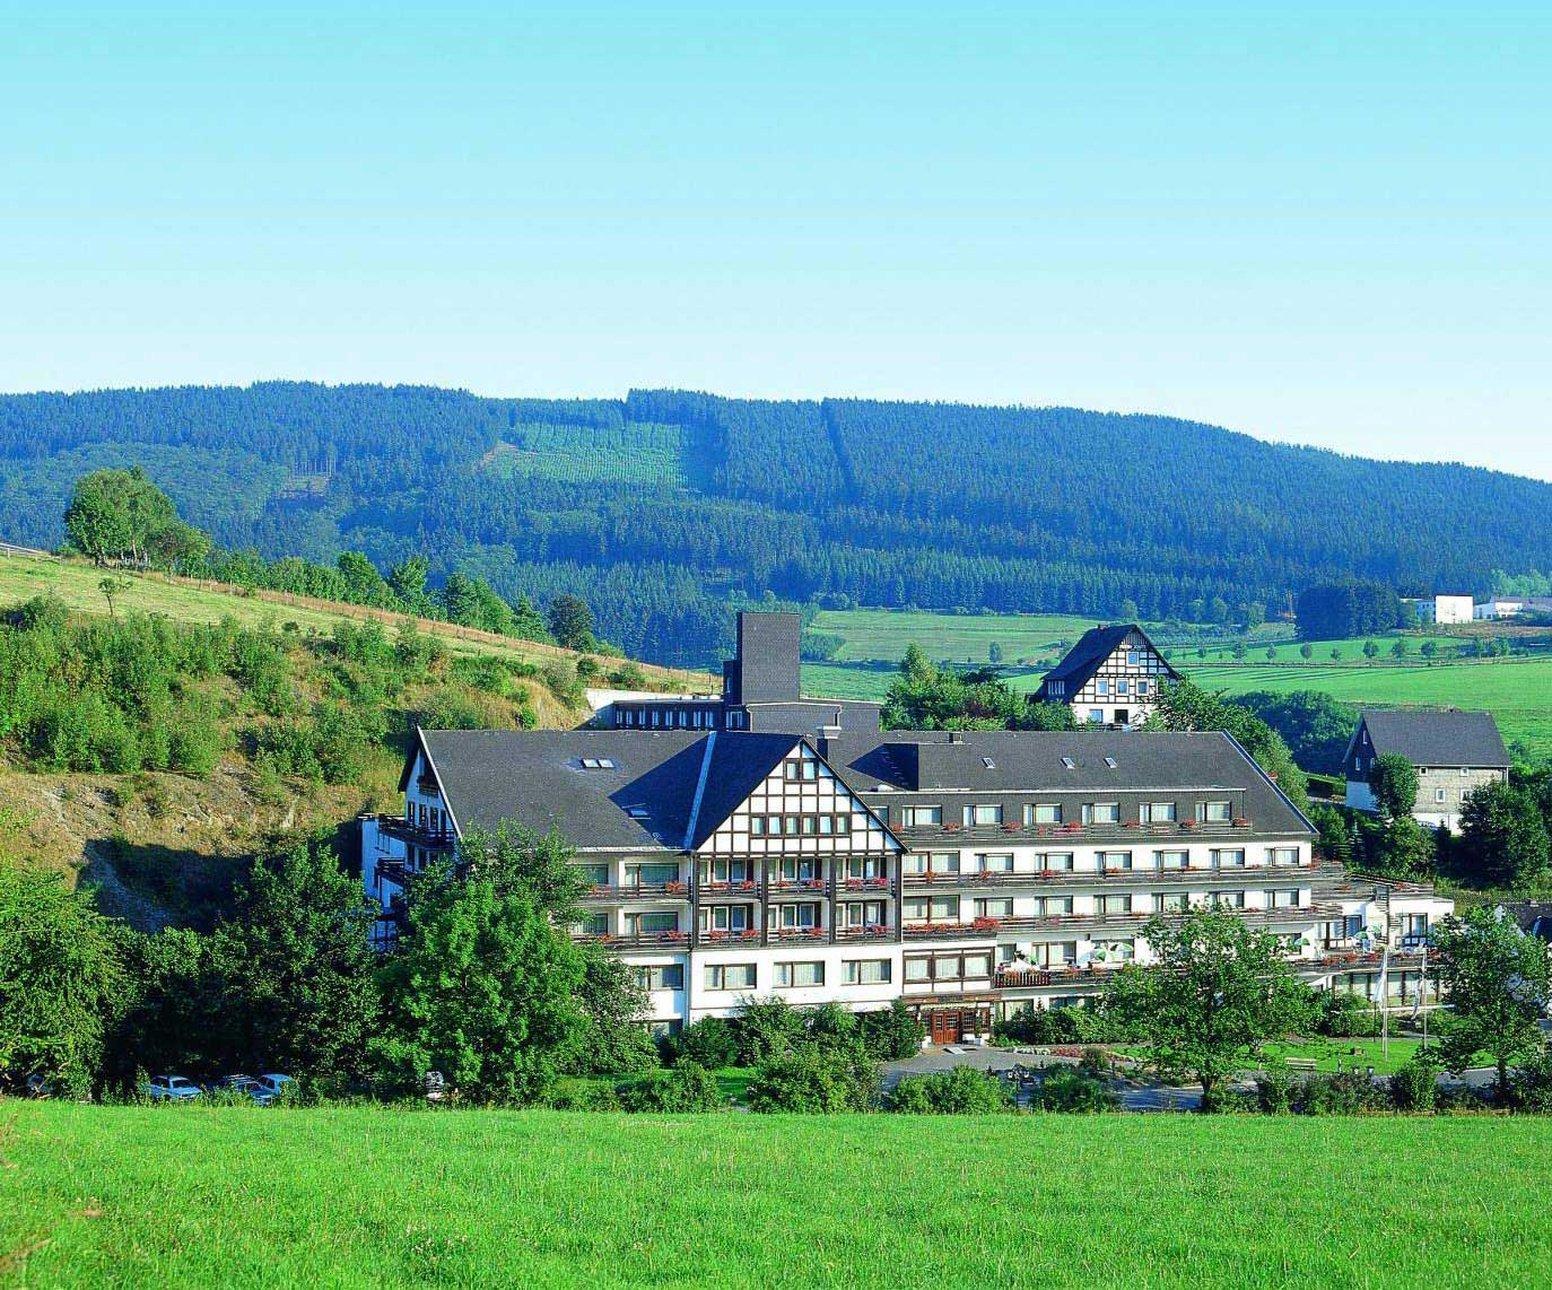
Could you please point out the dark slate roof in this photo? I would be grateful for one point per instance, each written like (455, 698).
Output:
(1093, 648)
(807, 715)
(537, 778)
(1438, 737)
(1032, 761)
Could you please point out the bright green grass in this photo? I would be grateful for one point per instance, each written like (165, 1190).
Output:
(637, 453)
(1329, 1055)
(1517, 691)
(186, 1197)
(1349, 651)
(885, 633)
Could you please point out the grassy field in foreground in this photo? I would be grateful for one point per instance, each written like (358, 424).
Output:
(115, 1196)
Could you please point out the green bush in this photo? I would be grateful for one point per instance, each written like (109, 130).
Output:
(687, 1087)
(571, 1093)
(1068, 1089)
(1068, 1025)
(1347, 1016)
(709, 1042)
(891, 1033)
(1344, 1093)
(1415, 1087)
(766, 1028)
(961, 1091)
(1531, 1086)
(1275, 1091)
(813, 1080)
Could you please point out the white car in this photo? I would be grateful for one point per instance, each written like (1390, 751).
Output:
(267, 1088)
(171, 1088)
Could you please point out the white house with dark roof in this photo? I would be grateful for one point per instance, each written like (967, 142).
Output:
(1111, 677)
(1452, 751)
(969, 873)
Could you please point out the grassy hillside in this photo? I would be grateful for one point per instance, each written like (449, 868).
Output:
(182, 1197)
(76, 583)
(305, 709)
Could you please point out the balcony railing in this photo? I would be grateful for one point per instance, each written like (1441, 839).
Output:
(637, 891)
(1016, 832)
(1107, 921)
(638, 940)
(396, 826)
(867, 932)
(783, 935)
(1082, 878)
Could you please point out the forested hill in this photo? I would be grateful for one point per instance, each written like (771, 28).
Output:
(660, 507)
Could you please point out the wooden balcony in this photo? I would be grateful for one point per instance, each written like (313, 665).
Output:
(638, 891)
(396, 826)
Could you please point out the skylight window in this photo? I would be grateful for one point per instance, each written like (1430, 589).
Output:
(597, 763)
(1110, 762)
(988, 763)
(1069, 763)
(636, 812)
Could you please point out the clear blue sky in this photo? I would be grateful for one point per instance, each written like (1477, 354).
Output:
(1327, 224)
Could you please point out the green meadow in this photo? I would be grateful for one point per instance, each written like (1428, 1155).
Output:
(1517, 691)
(102, 1196)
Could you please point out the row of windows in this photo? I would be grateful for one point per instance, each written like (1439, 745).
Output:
(670, 718)
(791, 826)
(1123, 687)
(919, 864)
(797, 975)
(991, 813)
(949, 909)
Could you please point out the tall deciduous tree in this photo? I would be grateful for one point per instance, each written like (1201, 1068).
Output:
(1217, 992)
(483, 988)
(61, 980)
(571, 623)
(296, 971)
(119, 516)
(1494, 977)
(1393, 781)
(1504, 838)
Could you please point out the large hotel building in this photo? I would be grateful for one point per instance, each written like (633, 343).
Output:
(970, 874)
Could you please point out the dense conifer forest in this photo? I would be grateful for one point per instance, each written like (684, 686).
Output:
(661, 508)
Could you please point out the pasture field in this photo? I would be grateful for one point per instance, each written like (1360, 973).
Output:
(1517, 691)
(93, 1196)
(961, 638)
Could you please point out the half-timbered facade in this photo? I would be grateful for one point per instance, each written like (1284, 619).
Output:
(1111, 677)
(970, 874)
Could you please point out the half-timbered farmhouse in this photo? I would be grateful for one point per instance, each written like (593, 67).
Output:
(1111, 677)
(969, 873)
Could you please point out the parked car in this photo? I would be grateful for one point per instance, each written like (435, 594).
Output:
(235, 1084)
(171, 1088)
(39, 1085)
(267, 1088)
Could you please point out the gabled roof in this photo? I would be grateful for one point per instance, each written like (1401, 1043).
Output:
(1436, 737)
(609, 789)
(1089, 654)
